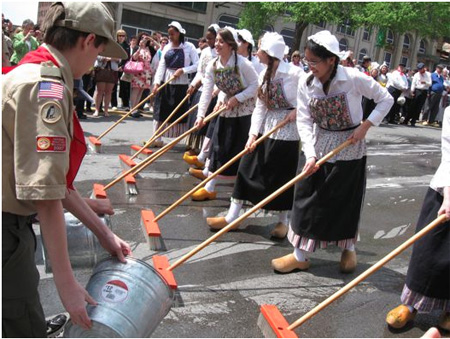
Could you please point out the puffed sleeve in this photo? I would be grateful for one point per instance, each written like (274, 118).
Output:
(207, 91)
(251, 78)
(305, 123)
(193, 56)
(161, 70)
(259, 112)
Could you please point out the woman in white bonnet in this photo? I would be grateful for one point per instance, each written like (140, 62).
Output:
(327, 204)
(274, 161)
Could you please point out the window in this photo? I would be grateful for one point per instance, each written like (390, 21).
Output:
(362, 53)
(228, 20)
(194, 6)
(387, 58)
(389, 37)
(406, 43)
(288, 36)
(366, 34)
(422, 47)
(343, 45)
(404, 60)
(321, 24)
(346, 29)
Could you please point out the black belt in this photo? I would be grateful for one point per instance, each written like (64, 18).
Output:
(340, 130)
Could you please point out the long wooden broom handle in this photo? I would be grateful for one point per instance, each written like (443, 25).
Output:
(169, 146)
(136, 169)
(263, 202)
(368, 272)
(156, 136)
(133, 109)
(217, 172)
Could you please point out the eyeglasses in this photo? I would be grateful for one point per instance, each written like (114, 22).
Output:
(121, 36)
(311, 63)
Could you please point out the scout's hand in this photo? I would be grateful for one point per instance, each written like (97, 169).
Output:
(445, 207)
(74, 298)
(115, 246)
(250, 145)
(310, 166)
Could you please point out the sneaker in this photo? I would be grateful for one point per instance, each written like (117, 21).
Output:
(82, 116)
(136, 115)
(114, 108)
(56, 325)
(425, 123)
(95, 114)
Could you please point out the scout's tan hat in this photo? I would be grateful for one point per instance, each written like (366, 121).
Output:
(93, 17)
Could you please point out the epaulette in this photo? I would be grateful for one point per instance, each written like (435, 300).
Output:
(48, 69)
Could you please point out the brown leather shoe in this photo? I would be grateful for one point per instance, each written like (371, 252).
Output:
(444, 321)
(400, 316)
(202, 194)
(279, 231)
(196, 173)
(218, 223)
(348, 261)
(288, 263)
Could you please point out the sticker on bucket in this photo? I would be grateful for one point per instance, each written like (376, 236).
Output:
(115, 291)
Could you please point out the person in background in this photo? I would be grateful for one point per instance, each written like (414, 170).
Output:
(24, 42)
(365, 65)
(396, 85)
(369, 105)
(296, 59)
(428, 278)
(179, 58)
(121, 37)
(327, 203)
(245, 48)
(435, 94)
(142, 80)
(42, 149)
(104, 84)
(202, 44)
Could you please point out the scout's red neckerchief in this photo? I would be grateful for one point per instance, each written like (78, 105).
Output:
(77, 145)
(400, 71)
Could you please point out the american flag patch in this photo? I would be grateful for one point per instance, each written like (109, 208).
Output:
(52, 90)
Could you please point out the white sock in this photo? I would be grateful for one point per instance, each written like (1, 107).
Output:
(201, 156)
(299, 254)
(205, 171)
(410, 308)
(233, 212)
(210, 186)
(283, 217)
(351, 248)
(206, 147)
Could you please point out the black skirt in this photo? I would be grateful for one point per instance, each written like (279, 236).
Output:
(167, 100)
(266, 169)
(429, 268)
(229, 138)
(327, 205)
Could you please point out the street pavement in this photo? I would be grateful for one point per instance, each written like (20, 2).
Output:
(221, 288)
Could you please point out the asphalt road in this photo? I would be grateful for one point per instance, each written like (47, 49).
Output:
(221, 288)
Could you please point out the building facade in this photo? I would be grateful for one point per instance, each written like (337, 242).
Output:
(195, 17)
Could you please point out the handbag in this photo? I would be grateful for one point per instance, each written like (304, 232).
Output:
(106, 74)
(133, 67)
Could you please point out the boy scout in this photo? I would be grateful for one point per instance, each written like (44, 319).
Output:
(43, 145)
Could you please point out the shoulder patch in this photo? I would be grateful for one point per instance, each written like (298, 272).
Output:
(51, 112)
(50, 89)
(48, 69)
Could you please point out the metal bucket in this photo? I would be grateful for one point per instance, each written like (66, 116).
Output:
(83, 246)
(132, 300)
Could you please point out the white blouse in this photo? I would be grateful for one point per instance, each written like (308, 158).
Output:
(207, 55)
(290, 76)
(442, 177)
(350, 85)
(190, 64)
(397, 80)
(248, 76)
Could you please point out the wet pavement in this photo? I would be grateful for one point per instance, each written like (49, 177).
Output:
(221, 288)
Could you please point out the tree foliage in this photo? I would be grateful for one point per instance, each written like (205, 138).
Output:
(428, 19)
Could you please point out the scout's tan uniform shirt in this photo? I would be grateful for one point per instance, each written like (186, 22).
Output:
(37, 124)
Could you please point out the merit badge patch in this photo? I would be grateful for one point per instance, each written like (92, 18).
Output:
(52, 90)
(51, 143)
(51, 112)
